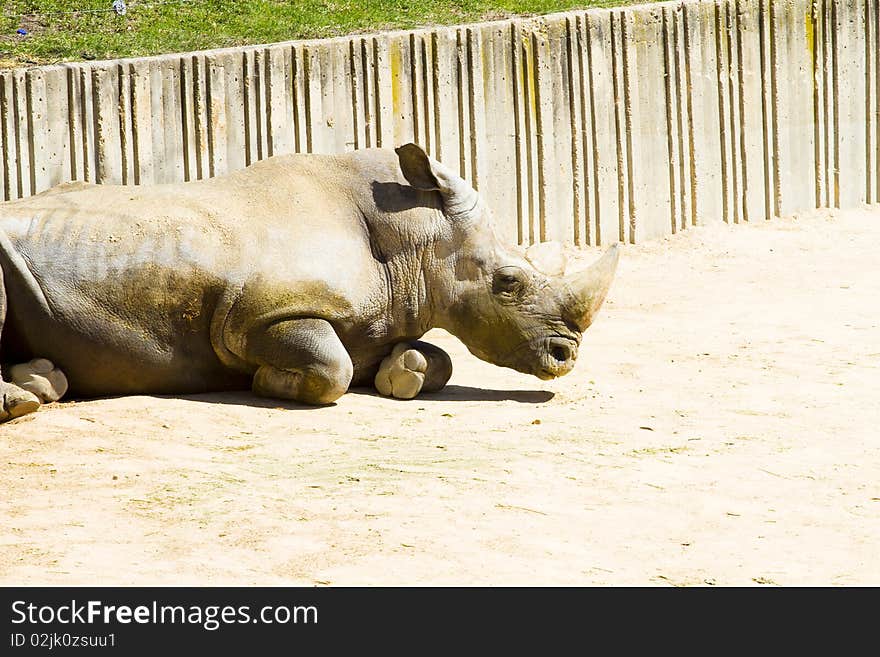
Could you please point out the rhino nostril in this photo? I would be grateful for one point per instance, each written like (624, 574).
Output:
(560, 354)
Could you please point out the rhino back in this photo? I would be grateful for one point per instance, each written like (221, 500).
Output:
(132, 277)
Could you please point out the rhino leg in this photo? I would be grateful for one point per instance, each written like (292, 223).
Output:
(14, 401)
(411, 368)
(300, 359)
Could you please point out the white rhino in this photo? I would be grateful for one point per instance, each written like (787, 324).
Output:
(299, 276)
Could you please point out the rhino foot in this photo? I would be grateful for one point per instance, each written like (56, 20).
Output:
(402, 373)
(41, 378)
(309, 387)
(16, 402)
(411, 368)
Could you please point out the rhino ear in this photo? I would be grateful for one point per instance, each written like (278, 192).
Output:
(423, 172)
(416, 167)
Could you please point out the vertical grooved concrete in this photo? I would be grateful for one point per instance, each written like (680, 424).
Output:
(587, 127)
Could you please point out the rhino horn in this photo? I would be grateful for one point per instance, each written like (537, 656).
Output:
(586, 289)
(424, 172)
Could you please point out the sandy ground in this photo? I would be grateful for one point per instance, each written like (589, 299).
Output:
(720, 428)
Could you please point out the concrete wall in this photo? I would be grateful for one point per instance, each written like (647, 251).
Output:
(588, 127)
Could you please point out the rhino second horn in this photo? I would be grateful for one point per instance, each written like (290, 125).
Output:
(586, 289)
(547, 257)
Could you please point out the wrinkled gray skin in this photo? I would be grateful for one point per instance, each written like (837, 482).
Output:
(299, 276)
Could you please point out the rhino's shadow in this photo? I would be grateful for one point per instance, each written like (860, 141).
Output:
(244, 398)
(467, 393)
(393, 197)
(449, 393)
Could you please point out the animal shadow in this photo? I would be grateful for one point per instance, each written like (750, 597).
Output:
(246, 398)
(467, 393)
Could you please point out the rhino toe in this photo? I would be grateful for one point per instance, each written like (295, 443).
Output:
(402, 373)
(16, 402)
(41, 378)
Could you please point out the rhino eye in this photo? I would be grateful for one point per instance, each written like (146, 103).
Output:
(508, 280)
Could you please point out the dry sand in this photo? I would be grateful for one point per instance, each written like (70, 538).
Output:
(721, 427)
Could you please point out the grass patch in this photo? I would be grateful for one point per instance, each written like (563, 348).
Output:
(72, 30)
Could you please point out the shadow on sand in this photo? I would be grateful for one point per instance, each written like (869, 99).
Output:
(467, 393)
(449, 393)
(245, 398)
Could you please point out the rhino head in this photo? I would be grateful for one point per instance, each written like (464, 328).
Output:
(494, 299)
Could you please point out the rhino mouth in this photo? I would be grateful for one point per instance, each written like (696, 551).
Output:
(559, 358)
(546, 358)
